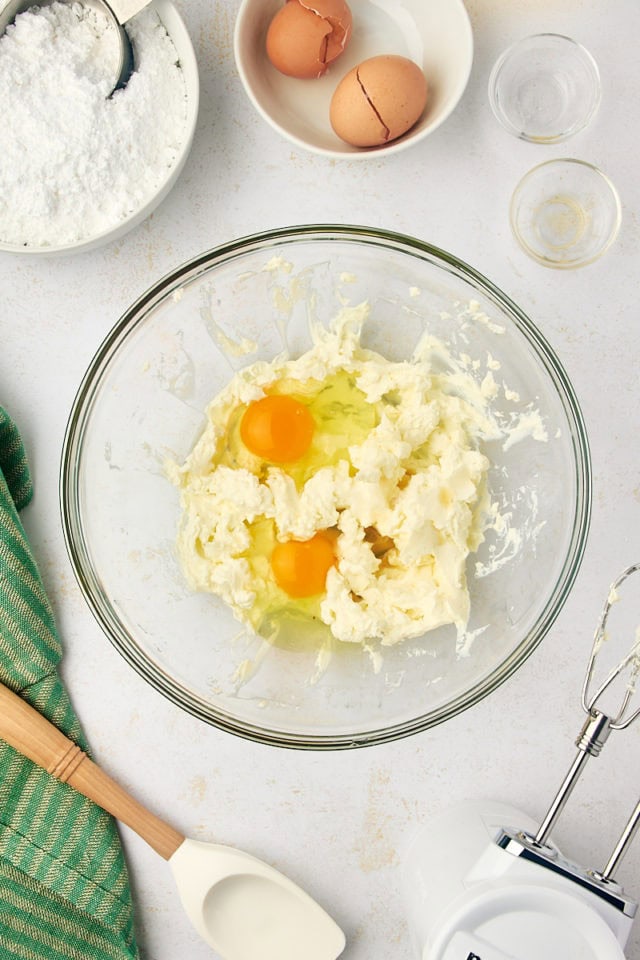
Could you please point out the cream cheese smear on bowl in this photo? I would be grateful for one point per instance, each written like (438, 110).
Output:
(75, 162)
(359, 507)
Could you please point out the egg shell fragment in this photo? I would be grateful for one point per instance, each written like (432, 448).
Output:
(378, 101)
(339, 16)
(305, 36)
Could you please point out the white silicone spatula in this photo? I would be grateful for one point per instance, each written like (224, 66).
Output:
(240, 905)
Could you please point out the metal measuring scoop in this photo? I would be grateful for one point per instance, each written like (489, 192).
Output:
(118, 12)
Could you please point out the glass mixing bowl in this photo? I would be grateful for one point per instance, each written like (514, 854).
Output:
(142, 403)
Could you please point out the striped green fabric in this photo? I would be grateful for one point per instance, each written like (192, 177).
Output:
(64, 888)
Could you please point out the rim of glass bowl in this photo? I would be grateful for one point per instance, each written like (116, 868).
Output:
(72, 452)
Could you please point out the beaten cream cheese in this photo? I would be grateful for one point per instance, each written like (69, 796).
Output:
(406, 497)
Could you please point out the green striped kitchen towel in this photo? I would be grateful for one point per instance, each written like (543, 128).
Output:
(64, 888)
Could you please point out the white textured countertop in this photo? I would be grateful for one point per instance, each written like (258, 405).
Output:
(338, 822)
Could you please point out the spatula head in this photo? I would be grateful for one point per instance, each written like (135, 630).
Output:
(246, 910)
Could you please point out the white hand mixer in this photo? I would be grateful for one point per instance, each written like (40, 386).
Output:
(483, 883)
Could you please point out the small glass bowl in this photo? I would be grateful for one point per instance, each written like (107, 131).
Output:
(565, 213)
(545, 88)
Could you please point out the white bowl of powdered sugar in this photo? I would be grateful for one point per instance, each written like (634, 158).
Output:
(79, 168)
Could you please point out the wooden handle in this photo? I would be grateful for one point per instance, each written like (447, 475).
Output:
(32, 735)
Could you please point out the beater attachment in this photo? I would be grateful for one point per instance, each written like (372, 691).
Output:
(594, 734)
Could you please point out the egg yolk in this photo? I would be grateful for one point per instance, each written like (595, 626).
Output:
(300, 567)
(277, 428)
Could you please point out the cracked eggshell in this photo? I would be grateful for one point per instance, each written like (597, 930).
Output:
(378, 101)
(305, 36)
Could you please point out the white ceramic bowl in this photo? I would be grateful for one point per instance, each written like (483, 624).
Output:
(436, 34)
(178, 33)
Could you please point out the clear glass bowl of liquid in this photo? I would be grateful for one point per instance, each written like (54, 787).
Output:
(565, 213)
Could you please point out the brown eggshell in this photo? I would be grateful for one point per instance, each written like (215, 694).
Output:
(339, 16)
(305, 36)
(378, 101)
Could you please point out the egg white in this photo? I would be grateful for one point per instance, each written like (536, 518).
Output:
(418, 479)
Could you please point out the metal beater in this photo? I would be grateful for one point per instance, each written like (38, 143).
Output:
(481, 890)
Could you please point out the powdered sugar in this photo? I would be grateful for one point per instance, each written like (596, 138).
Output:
(74, 162)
